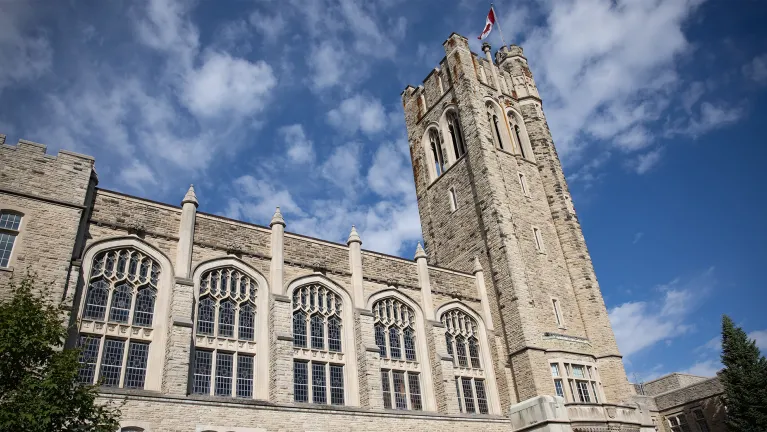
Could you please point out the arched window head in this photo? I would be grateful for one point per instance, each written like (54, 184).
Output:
(497, 131)
(462, 338)
(122, 288)
(396, 339)
(317, 308)
(517, 133)
(456, 134)
(226, 316)
(318, 326)
(227, 305)
(435, 147)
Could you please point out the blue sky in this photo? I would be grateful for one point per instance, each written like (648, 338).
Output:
(655, 107)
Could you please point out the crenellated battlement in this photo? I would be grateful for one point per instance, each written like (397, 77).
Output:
(28, 168)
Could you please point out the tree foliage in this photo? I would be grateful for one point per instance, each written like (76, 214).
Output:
(745, 380)
(39, 389)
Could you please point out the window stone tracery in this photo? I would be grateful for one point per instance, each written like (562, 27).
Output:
(117, 318)
(225, 331)
(318, 358)
(462, 339)
(394, 326)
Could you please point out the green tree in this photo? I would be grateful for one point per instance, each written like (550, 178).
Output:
(39, 389)
(745, 380)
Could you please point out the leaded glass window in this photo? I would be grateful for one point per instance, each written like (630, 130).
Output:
(462, 339)
(336, 385)
(227, 298)
(400, 394)
(135, 371)
(409, 337)
(454, 127)
(394, 318)
(126, 280)
(380, 333)
(386, 387)
(111, 362)
(224, 366)
(414, 387)
(9, 231)
(244, 376)
(318, 326)
(317, 308)
(203, 365)
(319, 393)
(301, 381)
(144, 306)
(89, 353)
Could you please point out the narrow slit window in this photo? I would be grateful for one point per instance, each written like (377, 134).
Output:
(519, 140)
(436, 150)
(538, 239)
(557, 311)
(497, 131)
(523, 185)
(453, 200)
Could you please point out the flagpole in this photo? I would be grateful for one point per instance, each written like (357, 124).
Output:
(499, 24)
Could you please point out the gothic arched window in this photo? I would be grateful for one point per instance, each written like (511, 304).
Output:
(462, 338)
(456, 135)
(520, 138)
(225, 333)
(317, 327)
(400, 372)
(435, 146)
(122, 289)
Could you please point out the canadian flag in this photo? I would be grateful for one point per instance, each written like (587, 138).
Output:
(488, 24)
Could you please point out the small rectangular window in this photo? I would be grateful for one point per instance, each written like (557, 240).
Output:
(301, 381)
(554, 369)
(112, 362)
(224, 366)
(135, 372)
(9, 230)
(244, 376)
(453, 200)
(557, 311)
(336, 385)
(559, 387)
(523, 184)
(203, 362)
(386, 388)
(538, 239)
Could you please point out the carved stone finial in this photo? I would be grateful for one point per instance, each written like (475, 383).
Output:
(485, 47)
(277, 218)
(354, 237)
(419, 252)
(190, 197)
(477, 265)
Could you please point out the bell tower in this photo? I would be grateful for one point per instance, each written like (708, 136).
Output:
(490, 185)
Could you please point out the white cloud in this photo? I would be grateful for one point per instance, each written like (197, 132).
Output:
(756, 69)
(226, 86)
(640, 325)
(712, 116)
(261, 199)
(137, 175)
(359, 113)
(760, 336)
(645, 162)
(164, 26)
(300, 148)
(705, 368)
(271, 26)
(342, 168)
(27, 53)
(390, 174)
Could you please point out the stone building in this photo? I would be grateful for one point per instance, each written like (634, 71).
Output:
(203, 323)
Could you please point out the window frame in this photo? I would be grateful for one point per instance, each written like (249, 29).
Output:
(453, 198)
(486, 371)
(14, 233)
(102, 328)
(572, 382)
(256, 296)
(347, 356)
(523, 184)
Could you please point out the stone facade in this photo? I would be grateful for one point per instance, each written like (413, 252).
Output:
(697, 401)
(499, 322)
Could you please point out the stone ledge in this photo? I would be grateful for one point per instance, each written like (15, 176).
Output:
(184, 281)
(182, 322)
